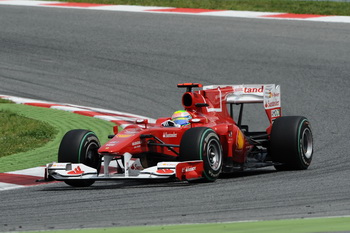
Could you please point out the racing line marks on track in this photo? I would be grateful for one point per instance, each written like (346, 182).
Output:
(173, 10)
(28, 177)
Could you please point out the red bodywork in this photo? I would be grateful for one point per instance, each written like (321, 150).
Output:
(208, 108)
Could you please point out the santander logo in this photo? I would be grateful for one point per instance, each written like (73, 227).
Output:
(254, 89)
(169, 135)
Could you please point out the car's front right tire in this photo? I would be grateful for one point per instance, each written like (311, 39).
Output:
(80, 146)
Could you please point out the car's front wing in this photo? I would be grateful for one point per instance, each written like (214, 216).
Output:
(188, 170)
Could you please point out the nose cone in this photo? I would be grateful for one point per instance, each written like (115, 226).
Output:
(125, 141)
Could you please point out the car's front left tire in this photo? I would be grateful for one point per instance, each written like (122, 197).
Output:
(203, 143)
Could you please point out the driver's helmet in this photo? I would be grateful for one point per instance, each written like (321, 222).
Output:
(181, 117)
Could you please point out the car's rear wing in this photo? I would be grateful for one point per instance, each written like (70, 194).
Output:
(268, 94)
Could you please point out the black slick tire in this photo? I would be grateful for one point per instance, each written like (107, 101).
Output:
(291, 144)
(80, 146)
(203, 143)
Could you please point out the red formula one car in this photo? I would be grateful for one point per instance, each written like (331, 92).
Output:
(210, 144)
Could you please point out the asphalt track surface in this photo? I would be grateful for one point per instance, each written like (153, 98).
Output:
(132, 62)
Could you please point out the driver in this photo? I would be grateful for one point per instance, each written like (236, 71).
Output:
(178, 119)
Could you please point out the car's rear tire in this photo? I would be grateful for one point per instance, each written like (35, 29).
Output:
(80, 146)
(291, 145)
(203, 143)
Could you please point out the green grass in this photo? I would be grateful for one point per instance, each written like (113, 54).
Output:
(280, 226)
(58, 122)
(5, 101)
(32, 133)
(288, 6)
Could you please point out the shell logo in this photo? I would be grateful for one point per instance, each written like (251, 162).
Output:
(239, 141)
(269, 94)
(124, 135)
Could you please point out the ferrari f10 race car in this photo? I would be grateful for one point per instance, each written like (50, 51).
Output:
(211, 143)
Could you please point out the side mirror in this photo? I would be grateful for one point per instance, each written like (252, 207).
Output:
(198, 120)
(115, 129)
